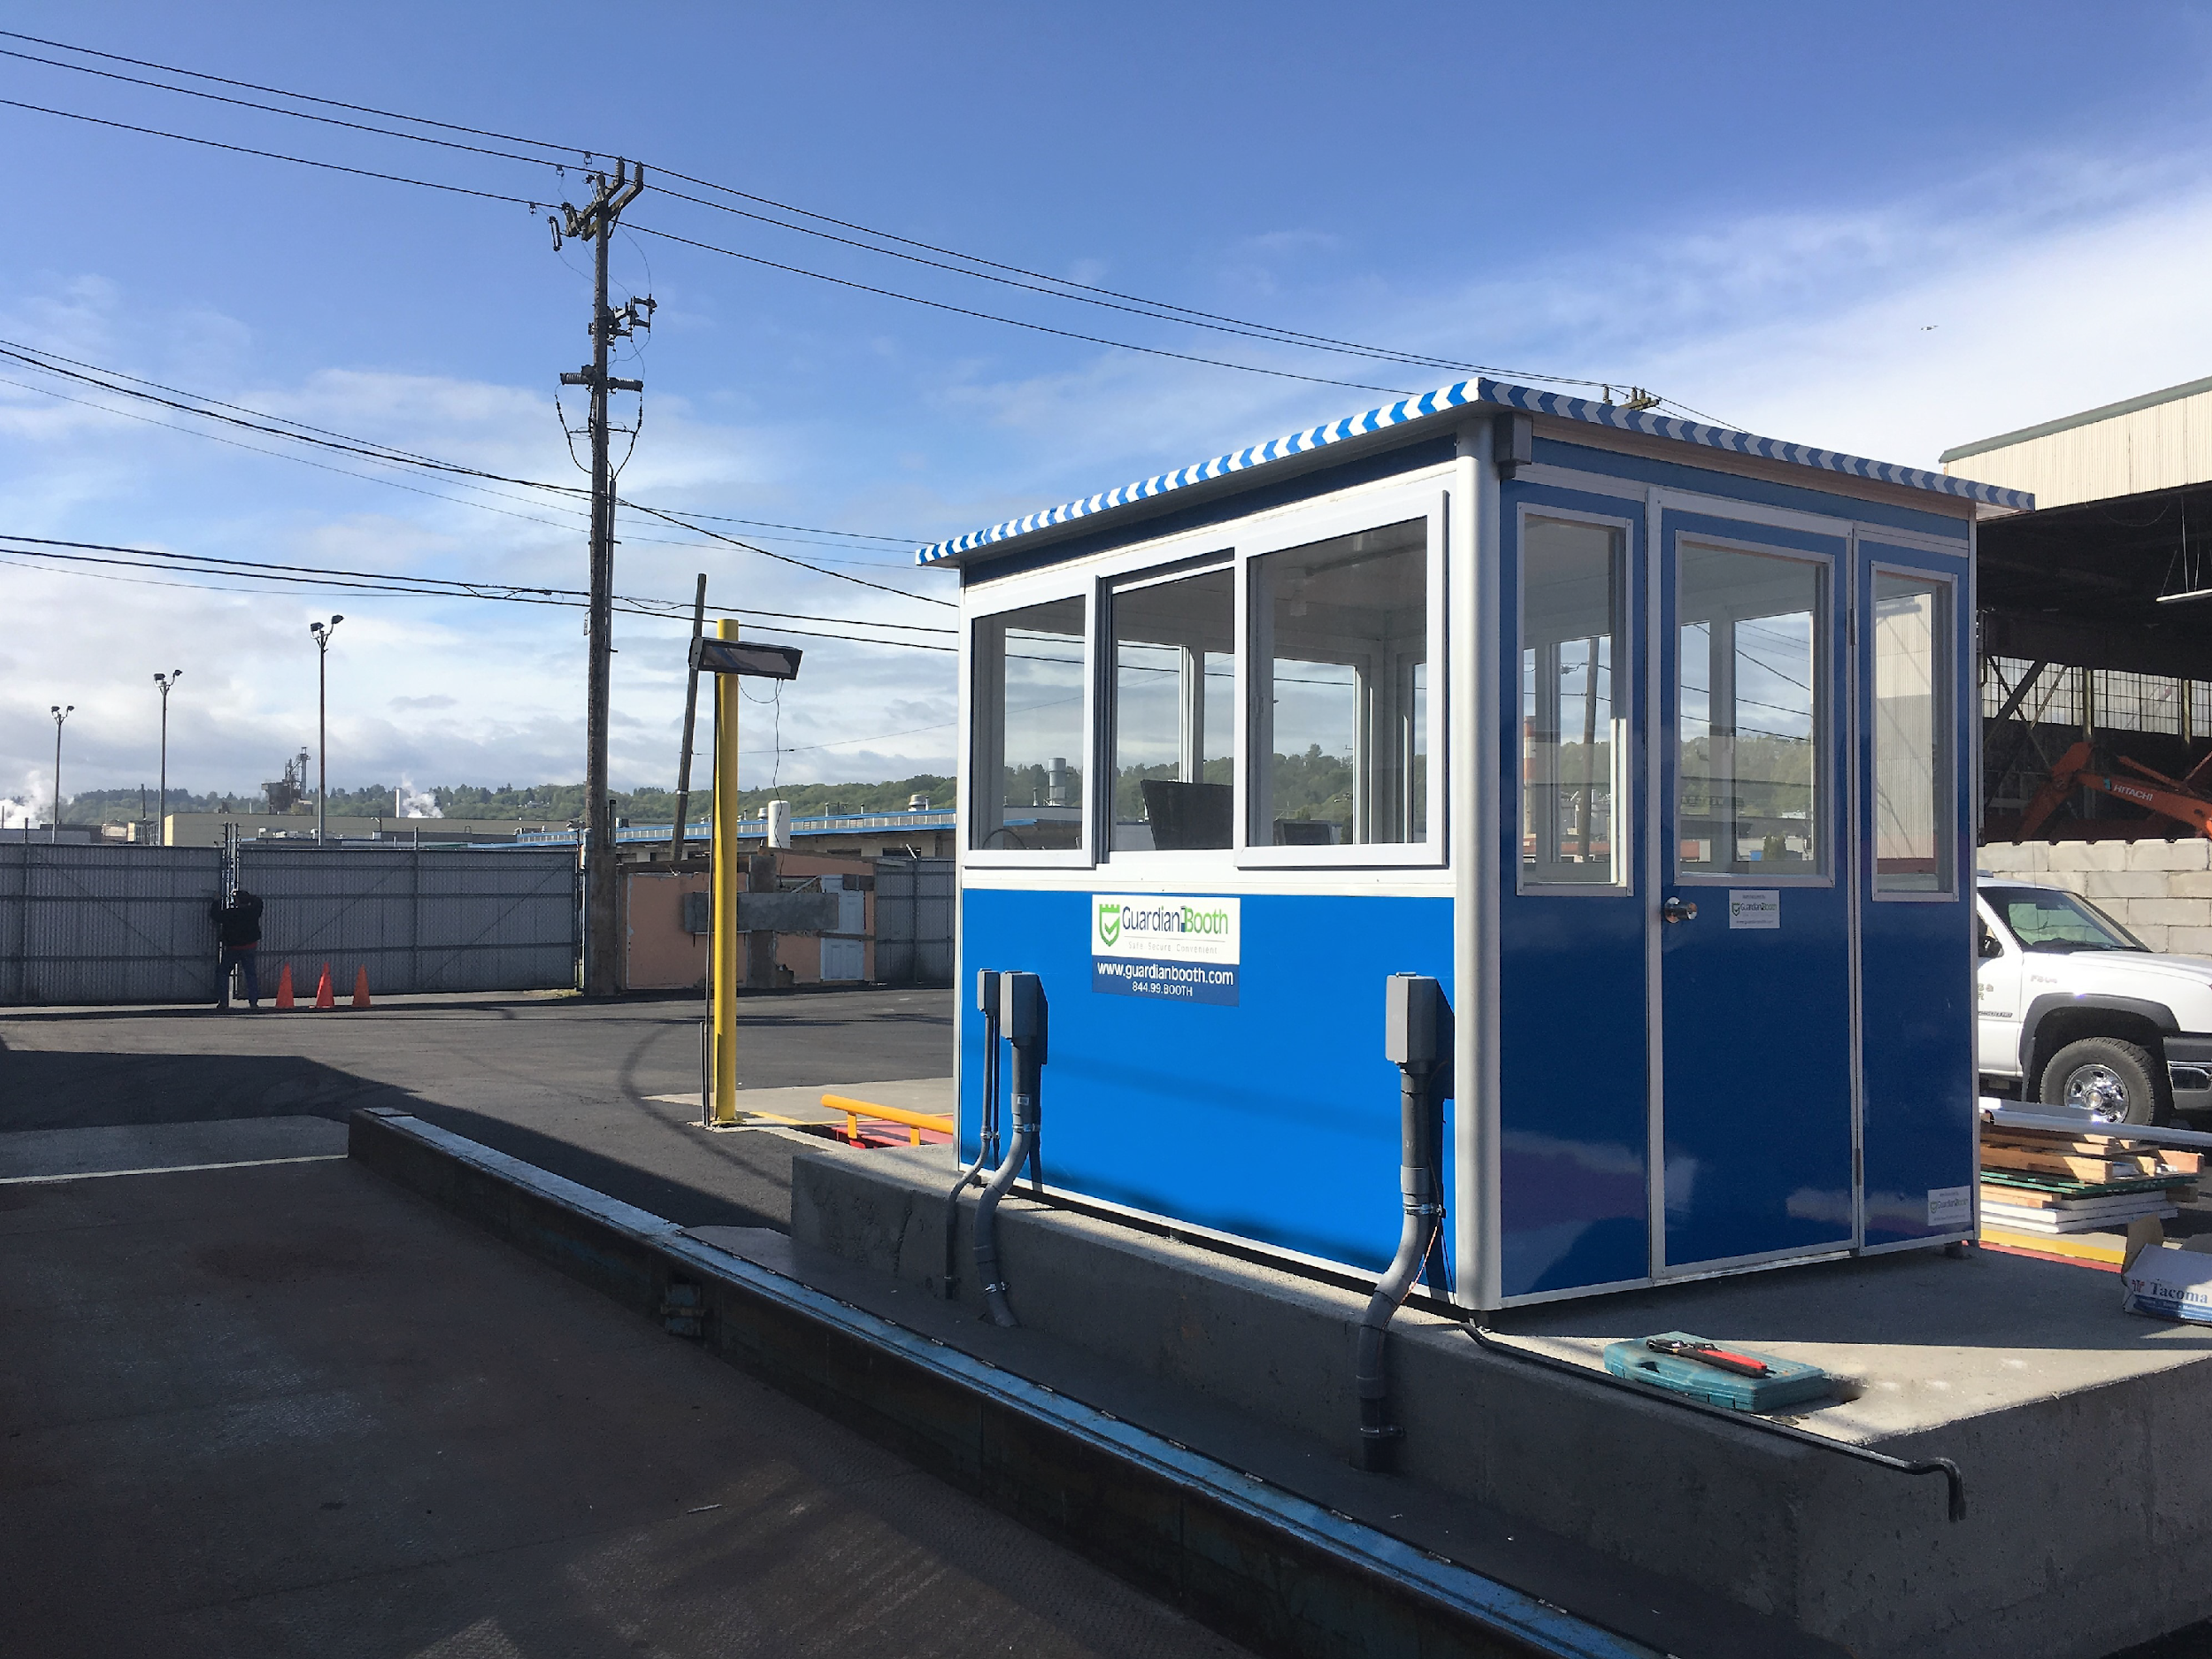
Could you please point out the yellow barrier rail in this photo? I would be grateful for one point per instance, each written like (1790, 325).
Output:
(914, 1122)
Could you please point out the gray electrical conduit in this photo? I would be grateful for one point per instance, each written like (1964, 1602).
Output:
(1417, 1234)
(987, 1265)
(986, 1131)
(1942, 1466)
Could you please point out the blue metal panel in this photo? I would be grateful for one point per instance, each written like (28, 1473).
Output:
(1273, 1118)
(1756, 1032)
(1916, 992)
(1574, 1100)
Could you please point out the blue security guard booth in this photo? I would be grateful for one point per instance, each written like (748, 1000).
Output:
(1651, 741)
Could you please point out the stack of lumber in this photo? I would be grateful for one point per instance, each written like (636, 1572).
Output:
(2079, 1181)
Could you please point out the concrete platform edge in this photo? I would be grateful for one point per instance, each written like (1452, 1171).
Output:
(1253, 1561)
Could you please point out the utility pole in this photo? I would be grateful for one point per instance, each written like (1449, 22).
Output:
(595, 224)
(168, 683)
(60, 714)
(322, 632)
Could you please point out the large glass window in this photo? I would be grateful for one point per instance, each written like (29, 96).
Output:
(1752, 708)
(1912, 733)
(1572, 581)
(1339, 691)
(1029, 731)
(1175, 724)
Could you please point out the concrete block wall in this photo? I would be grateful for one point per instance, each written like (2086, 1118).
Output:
(2160, 891)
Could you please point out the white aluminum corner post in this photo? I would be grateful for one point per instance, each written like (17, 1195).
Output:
(1472, 644)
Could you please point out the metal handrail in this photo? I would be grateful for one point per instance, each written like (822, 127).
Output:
(915, 1122)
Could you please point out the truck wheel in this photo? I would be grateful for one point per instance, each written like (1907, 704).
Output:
(2118, 1082)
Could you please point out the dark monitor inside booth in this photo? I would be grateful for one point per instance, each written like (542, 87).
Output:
(1188, 817)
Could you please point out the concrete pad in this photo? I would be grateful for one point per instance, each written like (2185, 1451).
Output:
(2075, 1425)
(35, 1155)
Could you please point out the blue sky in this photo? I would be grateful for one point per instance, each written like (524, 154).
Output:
(1889, 234)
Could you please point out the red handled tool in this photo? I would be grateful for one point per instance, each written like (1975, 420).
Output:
(1706, 1353)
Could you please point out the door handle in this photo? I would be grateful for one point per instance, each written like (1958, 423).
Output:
(1676, 910)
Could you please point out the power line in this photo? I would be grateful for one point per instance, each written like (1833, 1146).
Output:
(1014, 276)
(677, 519)
(433, 587)
(392, 454)
(388, 456)
(1084, 294)
(1015, 322)
(991, 270)
(302, 97)
(248, 104)
(268, 155)
(865, 288)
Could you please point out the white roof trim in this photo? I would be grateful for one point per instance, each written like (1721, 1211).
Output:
(1466, 394)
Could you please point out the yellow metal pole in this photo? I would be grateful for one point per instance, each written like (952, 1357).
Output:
(729, 880)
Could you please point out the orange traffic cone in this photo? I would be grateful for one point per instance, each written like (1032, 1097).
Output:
(284, 986)
(323, 998)
(361, 988)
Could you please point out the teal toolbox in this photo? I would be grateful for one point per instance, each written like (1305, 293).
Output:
(1788, 1382)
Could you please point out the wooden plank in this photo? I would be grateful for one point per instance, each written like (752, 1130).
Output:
(2038, 1198)
(2120, 1169)
(2093, 1147)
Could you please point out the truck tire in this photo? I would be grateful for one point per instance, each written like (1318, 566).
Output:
(2119, 1080)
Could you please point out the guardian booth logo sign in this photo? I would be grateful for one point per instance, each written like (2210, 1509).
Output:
(1177, 949)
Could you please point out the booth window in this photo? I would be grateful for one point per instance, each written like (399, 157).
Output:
(1572, 742)
(1912, 733)
(1339, 691)
(1174, 726)
(1751, 709)
(1029, 729)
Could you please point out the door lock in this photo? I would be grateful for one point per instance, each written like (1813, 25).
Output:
(1677, 909)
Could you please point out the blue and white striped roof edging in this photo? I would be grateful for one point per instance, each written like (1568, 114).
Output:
(1484, 390)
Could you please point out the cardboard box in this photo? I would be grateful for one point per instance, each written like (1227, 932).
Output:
(2168, 1284)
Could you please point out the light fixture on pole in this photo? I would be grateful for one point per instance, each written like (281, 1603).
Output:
(322, 631)
(168, 683)
(60, 714)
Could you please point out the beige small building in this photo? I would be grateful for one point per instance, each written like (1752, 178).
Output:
(661, 952)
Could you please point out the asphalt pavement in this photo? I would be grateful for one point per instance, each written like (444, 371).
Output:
(286, 1408)
(562, 1083)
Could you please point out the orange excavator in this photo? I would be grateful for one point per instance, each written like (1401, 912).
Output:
(2172, 798)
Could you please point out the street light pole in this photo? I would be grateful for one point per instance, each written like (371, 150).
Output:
(60, 714)
(322, 631)
(167, 683)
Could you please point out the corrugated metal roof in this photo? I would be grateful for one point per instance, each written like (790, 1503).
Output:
(2067, 423)
(1467, 393)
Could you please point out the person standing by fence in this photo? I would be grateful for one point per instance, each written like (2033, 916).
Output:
(238, 931)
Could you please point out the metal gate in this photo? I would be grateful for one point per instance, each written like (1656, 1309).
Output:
(417, 919)
(914, 921)
(98, 924)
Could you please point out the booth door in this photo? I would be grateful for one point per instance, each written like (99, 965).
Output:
(1752, 1122)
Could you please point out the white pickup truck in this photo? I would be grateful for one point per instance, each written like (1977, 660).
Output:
(2075, 1011)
